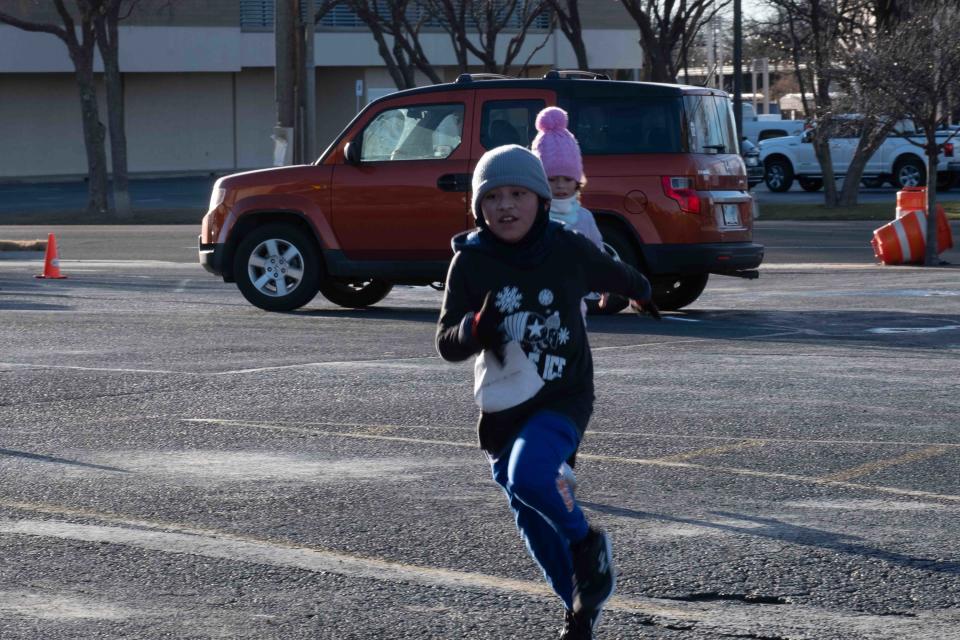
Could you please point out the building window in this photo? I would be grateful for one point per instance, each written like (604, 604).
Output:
(258, 15)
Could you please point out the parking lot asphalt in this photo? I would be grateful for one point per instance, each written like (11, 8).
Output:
(777, 461)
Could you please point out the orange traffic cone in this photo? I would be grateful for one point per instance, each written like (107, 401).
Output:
(51, 262)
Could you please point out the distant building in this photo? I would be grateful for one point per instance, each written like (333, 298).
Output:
(198, 83)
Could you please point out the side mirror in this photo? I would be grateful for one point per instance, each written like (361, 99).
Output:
(351, 152)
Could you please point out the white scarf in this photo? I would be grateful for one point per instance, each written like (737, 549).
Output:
(565, 210)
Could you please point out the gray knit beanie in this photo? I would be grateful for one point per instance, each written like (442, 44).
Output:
(508, 165)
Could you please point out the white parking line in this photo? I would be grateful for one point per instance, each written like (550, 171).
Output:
(176, 538)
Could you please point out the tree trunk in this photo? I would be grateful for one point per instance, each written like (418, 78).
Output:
(850, 191)
(822, 149)
(931, 257)
(93, 131)
(109, 45)
(572, 28)
(870, 141)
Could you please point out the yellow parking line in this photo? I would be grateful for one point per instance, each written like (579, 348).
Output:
(709, 451)
(774, 475)
(870, 467)
(370, 427)
(653, 462)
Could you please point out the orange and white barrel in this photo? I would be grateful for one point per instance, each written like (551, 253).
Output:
(904, 240)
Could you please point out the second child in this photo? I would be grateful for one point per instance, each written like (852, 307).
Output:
(559, 152)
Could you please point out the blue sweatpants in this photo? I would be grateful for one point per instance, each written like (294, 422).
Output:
(547, 514)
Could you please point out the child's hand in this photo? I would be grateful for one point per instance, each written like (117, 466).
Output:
(486, 326)
(646, 306)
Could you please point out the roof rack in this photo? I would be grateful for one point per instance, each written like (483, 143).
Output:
(470, 77)
(554, 74)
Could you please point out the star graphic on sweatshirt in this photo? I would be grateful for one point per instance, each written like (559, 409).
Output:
(536, 329)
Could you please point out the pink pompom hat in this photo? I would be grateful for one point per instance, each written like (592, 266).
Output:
(555, 145)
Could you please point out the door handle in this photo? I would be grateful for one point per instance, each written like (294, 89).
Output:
(456, 182)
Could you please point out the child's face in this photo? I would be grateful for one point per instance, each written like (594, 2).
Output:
(509, 211)
(562, 186)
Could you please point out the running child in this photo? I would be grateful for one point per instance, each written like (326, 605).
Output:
(512, 299)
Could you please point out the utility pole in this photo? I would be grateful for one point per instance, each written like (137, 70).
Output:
(284, 81)
(737, 69)
(309, 92)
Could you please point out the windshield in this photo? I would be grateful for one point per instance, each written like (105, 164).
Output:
(709, 124)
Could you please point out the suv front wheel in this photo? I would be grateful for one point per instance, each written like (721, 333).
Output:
(277, 267)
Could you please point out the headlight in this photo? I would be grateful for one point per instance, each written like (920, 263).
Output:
(753, 161)
(216, 197)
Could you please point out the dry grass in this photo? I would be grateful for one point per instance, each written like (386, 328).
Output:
(23, 245)
(868, 211)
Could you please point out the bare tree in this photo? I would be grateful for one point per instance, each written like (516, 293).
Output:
(912, 68)
(567, 14)
(667, 30)
(816, 34)
(80, 38)
(475, 26)
(395, 26)
(107, 16)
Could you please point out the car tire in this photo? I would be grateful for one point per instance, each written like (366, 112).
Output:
(778, 175)
(277, 267)
(909, 172)
(810, 184)
(616, 244)
(872, 183)
(355, 294)
(675, 292)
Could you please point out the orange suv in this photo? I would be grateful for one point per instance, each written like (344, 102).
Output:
(665, 183)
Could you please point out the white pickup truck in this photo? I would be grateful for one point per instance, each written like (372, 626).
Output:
(763, 127)
(897, 161)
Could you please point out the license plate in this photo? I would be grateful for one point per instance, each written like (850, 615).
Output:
(730, 214)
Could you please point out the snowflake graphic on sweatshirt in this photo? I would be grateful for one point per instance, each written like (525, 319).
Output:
(509, 299)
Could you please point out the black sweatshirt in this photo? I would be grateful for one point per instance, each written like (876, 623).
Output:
(538, 289)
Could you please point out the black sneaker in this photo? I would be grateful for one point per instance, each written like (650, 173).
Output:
(593, 575)
(575, 628)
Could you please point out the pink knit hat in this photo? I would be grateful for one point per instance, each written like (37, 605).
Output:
(555, 145)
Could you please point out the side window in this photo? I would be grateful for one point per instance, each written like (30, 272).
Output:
(509, 122)
(848, 128)
(611, 126)
(418, 132)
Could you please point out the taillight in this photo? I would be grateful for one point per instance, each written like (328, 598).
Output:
(948, 149)
(681, 190)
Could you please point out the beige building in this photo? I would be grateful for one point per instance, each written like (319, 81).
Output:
(198, 83)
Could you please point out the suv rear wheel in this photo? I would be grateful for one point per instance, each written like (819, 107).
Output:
(675, 292)
(277, 267)
(619, 248)
(810, 184)
(355, 293)
(779, 175)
